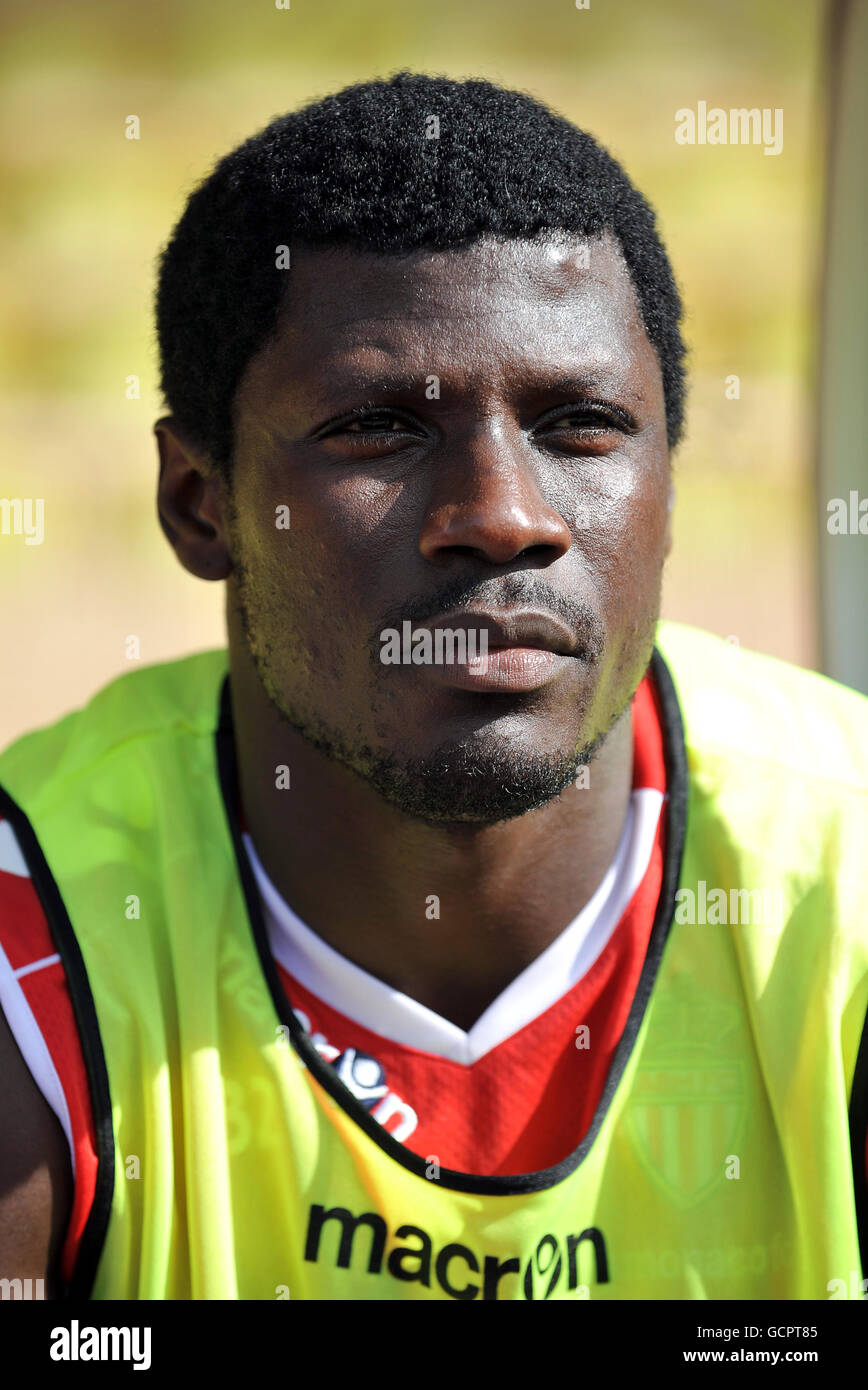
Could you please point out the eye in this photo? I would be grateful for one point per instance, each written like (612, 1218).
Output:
(371, 432)
(377, 422)
(586, 421)
(586, 426)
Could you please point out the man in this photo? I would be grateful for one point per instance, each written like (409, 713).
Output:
(335, 968)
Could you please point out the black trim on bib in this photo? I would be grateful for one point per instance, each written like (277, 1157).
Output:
(506, 1185)
(84, 1010)
(858, 1132)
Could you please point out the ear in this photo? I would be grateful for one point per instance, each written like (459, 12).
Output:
(191, 504)
(667, 540)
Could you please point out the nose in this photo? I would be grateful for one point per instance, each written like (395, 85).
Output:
(486, 501)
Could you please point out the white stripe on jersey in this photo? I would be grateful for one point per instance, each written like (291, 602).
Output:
(386, 1011)
(11, 858)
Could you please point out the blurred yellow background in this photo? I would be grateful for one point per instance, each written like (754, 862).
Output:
(89, 210)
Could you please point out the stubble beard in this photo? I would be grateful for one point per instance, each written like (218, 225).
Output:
(482, 780)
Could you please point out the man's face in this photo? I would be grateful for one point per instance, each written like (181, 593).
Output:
(475, 431)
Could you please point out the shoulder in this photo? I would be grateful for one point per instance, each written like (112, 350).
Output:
(164, 699)
(758, 712)
(36, 1185)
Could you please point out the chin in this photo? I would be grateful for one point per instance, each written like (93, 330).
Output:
(463, 784)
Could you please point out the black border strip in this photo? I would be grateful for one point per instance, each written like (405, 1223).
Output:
(858, 1133)
(94, 1234)
(676, 778)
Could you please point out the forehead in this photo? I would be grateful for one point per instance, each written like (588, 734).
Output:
(514, 306)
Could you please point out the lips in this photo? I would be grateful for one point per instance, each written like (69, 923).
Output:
(523, 629)
(525, 651)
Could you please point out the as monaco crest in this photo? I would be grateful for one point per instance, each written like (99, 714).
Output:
(688, 1105)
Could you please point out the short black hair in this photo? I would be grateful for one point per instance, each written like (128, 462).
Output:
(359, 168)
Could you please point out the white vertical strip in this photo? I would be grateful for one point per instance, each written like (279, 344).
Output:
(33, 1047)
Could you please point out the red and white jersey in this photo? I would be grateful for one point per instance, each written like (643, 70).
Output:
(517, 1092)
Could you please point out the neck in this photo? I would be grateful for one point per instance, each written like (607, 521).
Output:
(448, 915)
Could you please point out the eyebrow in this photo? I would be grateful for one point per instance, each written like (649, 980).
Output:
(601, 381)
(594, 381)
